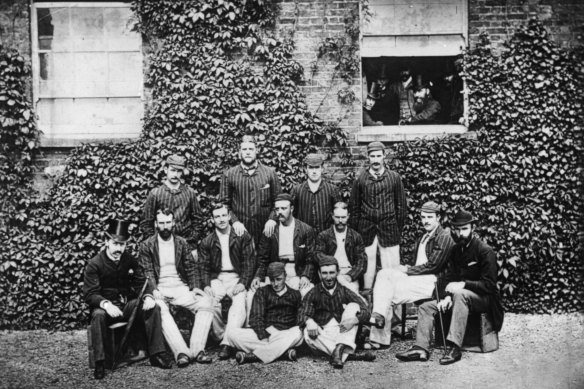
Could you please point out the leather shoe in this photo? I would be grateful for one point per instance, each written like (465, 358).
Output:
(225, 352)
(241, 357)
(366, 356)
(182, 360)
(337, 356)
(203, 358)
(415, 353)
(291, 355)
(160, 360)
(453, 355)
(99, 371)
(377, 320)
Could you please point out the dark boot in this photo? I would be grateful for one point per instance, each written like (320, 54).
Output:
(99, 371)
(337, 356)
(453, 355)
(225, 352)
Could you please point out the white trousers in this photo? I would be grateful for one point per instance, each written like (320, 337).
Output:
(393, 287)
(389, 258)
(351, 285)
(223, 286)
(200, 306)
(330, 335)
(267, 350)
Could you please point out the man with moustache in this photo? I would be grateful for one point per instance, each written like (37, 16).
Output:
(346, 245)
(273, 321)
(426, 109)
(402, 93)
(378, 211)
(166, 258)
(314, 198)
(407, 284)
(292, 243)
(470, 285)
(330, 315)
(112, 297)
(249, 190)
(178, 197)
(226, 264)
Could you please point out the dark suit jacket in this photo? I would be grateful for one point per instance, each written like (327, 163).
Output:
(241, 252)
(326, 243)
(438, 251)
(105, 279)
(303, 251)
(183, 259)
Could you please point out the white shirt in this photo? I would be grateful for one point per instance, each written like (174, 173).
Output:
(313, 186)
(169, 277)
(226, 264)
(341, 253)
(286, 240)
(422, 258)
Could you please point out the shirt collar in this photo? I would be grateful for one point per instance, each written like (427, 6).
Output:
(251, 169)
(282, 292)
(377, 176)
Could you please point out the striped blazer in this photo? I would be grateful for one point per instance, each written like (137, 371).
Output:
(315, 209)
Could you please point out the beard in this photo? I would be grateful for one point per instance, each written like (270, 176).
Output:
(462, 240)
(165, 234)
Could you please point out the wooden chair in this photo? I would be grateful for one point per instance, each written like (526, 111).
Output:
(479, 336)
(113, 337)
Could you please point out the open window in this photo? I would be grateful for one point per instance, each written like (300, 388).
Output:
(87, 72)
(411, 61)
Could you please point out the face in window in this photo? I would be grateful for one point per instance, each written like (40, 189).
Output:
(421, 93)
(283, 211)
(369, 103)
(164, 224)
(376, 160)
(248, 153)
(173, 174)
(382, 82)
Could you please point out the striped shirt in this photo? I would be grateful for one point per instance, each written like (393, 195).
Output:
(315, 209)
(270, 309)
(250, 197)
(188, 217)
(320, 306)
(378, 207)
(326, 243)
(438, 249)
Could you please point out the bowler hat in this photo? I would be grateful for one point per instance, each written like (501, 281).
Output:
(375, 146)
(284, 197)
(176, 161)
(314, 160)
(118, 230)
(463, 217)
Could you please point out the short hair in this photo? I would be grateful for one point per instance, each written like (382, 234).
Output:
(165, 212)
(341, 205)
(248, 139)
(218, 205)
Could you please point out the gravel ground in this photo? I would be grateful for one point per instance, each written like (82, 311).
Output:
(535, 352)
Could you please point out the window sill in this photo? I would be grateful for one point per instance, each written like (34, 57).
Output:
(408, 133)
(48, 142)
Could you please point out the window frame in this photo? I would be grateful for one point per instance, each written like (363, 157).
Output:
(59, 140)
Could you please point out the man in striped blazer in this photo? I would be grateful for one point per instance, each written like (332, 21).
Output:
(378, 211)
(178, 197)
(406, 284)
(249, 190)
(315, 197)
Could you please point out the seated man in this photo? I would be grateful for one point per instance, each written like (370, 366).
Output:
(471, 286)
(291, 243)
(273, 318)
(166, 258)
(346, 245)
(370, 114)
(330, 315)
(109, 294)
(226, 264)
(408, 284)
(426, 109)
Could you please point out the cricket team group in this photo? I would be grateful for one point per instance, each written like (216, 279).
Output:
(283, 269)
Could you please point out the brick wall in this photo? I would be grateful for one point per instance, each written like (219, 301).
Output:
(564, 19)
(15, 26)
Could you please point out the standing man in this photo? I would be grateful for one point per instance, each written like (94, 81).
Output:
(314, 198)
(111, 297)
(180, 198)
(330, 315)
(226, 265)
(291, 243)
(249, 190)
(166, 258)
(378, 211)
(273, 321)
(471, 286)
(346, 245)
(402, 93)
(407, 284)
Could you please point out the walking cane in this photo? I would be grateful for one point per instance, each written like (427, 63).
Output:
(129, 325)
(440, 316)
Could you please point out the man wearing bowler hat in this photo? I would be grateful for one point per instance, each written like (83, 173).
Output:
(331, 314)
(180, 198)
(273, 321)
(378, 211)
(470, 285)
(407, 284)
(314, 198)
(111, 297)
